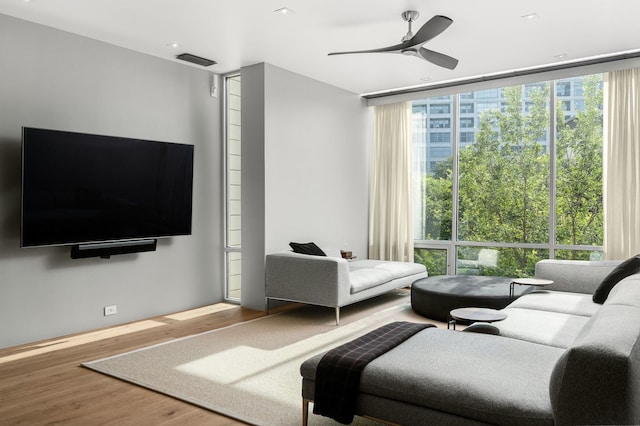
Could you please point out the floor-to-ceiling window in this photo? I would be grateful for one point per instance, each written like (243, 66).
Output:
(433, 150)
(233, 254)
(504, 177)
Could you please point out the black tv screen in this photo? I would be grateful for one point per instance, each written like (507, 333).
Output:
(83, 188)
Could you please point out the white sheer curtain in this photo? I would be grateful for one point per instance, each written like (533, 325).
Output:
(390, 211)
(622, 164)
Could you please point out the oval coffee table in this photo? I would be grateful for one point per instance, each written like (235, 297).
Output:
(436, 296)
(474, 315)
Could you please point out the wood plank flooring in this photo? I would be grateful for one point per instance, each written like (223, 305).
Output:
(43, 383)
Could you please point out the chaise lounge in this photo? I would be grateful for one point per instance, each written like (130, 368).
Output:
(561, 359)
(329, 280)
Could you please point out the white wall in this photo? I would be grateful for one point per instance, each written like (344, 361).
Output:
(313, 185)
(53, 79)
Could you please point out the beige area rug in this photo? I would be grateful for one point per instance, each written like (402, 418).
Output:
(251, 371)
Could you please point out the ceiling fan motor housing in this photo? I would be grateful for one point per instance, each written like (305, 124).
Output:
(410, 15)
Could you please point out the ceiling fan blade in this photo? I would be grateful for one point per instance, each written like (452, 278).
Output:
(437, 58)
(390, 49)
(430, 29)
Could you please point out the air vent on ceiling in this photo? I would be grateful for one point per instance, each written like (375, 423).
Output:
(196, 59)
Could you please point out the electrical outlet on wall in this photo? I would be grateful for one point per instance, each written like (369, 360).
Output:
(110, 310)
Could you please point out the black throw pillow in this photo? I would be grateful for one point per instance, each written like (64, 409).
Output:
(307, 248)
(623, 270)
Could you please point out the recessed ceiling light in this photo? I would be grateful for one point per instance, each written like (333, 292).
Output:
(283, 10)
(561, 56)
(425, 79)
(530, 16)
(172, 45)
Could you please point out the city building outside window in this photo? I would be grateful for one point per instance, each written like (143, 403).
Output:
(439, 123)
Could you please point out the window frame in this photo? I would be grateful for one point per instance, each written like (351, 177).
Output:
(230, 251)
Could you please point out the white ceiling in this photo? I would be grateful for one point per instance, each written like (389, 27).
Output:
(487, 36)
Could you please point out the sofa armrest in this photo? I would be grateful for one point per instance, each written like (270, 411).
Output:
(578, 276)
(316, 280)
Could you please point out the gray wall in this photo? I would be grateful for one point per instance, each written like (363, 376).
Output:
(53, 79)
(305, 162)
(253, 185)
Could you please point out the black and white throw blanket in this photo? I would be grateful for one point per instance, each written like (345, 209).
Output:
(339, 370)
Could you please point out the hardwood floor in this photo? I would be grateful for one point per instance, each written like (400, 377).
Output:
(43, 383)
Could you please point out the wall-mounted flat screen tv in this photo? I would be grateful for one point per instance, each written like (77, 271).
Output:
(83, 188)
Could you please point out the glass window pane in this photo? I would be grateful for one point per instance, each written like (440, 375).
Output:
(467, 122)
(466, 108)
(498, 261)
(579, 208)
(579, 255)
(233, 160)
(233, 188)
(486, 94)
(563, 88)
(504, 174)
(507, 141)
(440, 123)
(432, 171)
(467, 137)
(444, 108)
(434, 259)
(234, 274)
(440, 137)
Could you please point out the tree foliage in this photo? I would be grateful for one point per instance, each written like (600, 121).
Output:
(579, 175)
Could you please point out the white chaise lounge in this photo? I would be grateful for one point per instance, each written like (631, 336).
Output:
(332, 281)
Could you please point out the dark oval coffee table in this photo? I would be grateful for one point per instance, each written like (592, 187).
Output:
(434, 297)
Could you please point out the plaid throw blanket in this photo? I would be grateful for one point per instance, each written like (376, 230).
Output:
(339, 370)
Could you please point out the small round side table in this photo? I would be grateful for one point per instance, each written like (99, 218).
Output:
(535, 282)
(473, 315)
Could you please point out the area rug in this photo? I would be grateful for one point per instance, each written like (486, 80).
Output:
(250, 371)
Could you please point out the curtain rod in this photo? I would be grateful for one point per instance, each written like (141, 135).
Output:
(505, 75)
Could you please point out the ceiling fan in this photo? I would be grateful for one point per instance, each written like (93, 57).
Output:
(412, 44)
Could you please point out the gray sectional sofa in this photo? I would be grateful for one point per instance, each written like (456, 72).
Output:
(333, 281)
(561, 359)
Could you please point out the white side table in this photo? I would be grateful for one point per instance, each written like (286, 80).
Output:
(475, 314)
(536, 282)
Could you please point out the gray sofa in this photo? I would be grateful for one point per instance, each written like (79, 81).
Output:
(561, 359)
(333, 281)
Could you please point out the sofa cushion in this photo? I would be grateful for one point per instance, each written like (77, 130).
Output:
(307, 248)
(471, 375)
(544, 327)
(362, 279)
(397, 269)
(626, 292)
(578, 276)
(623, 270)
(558, 301)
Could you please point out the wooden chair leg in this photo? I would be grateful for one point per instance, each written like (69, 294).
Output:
(305, 412)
